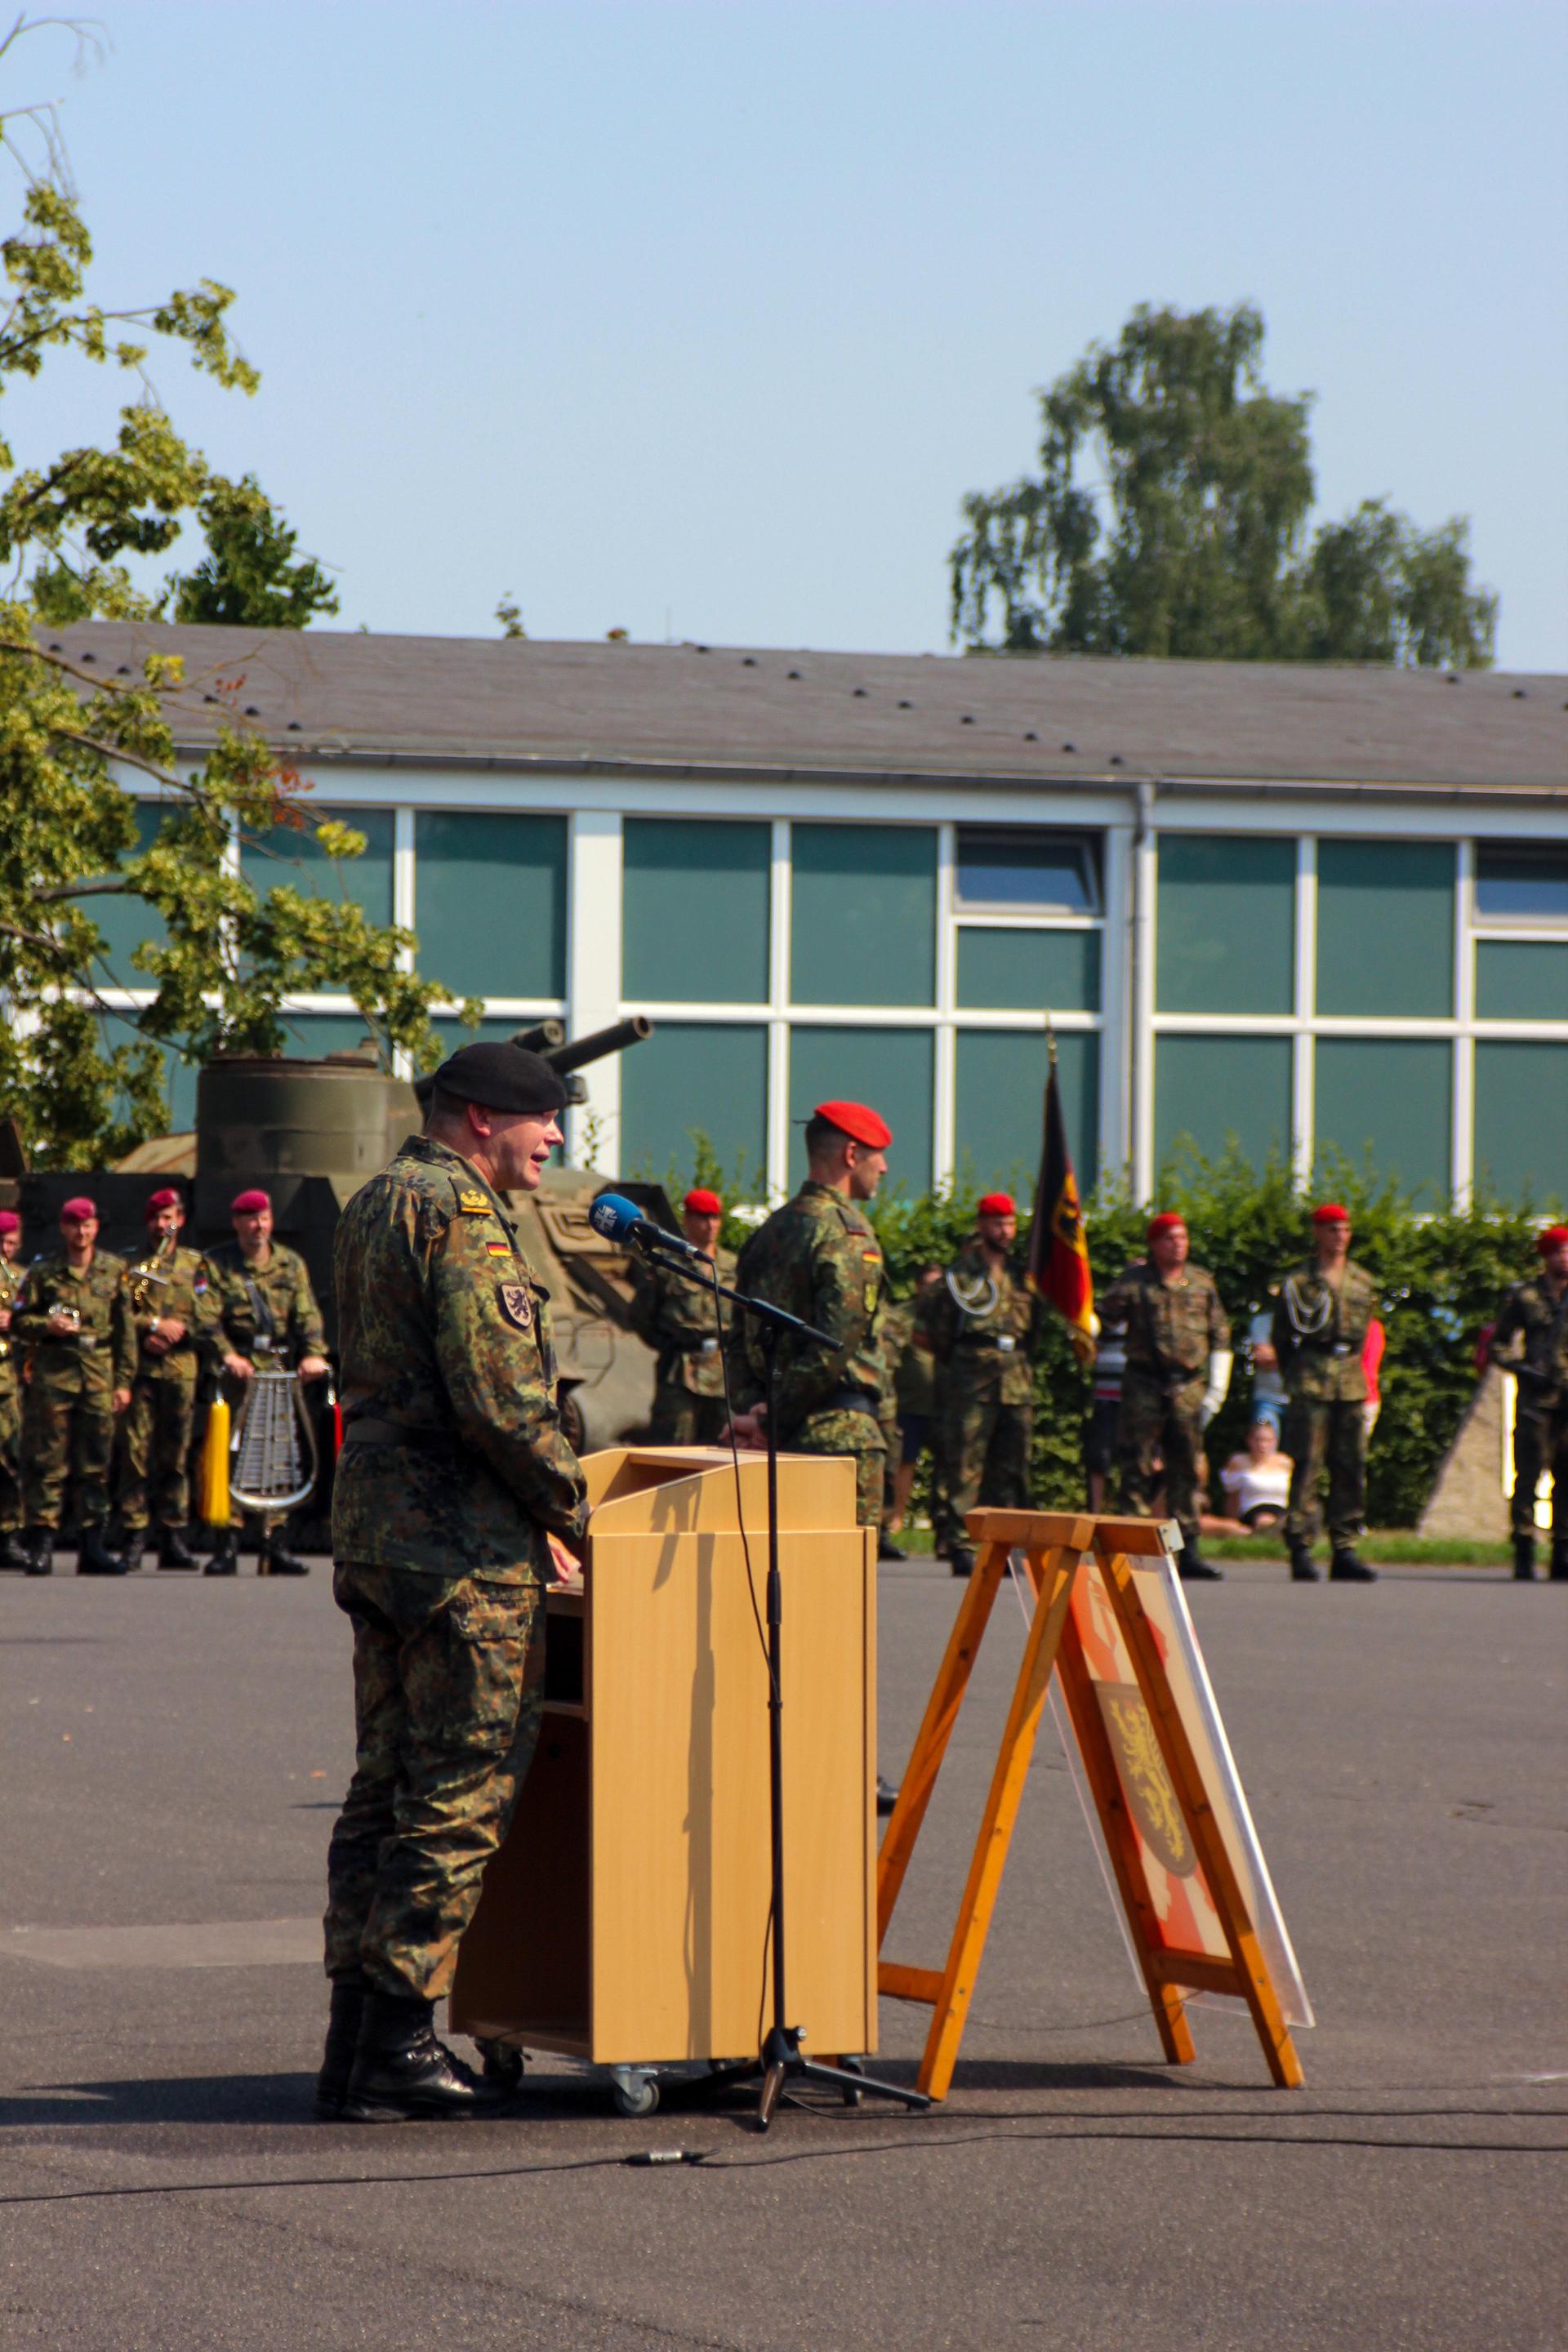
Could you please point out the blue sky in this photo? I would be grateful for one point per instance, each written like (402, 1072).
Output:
(699, 319)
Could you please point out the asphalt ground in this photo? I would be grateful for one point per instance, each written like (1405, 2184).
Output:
(172, 1752)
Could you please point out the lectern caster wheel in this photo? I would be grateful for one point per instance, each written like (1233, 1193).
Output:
(503, 2063)
(634, 2093)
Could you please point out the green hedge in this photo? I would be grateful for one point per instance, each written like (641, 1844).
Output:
(1442, 1275)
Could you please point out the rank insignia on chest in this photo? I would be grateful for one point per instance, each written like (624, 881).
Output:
(499, 1249)
(516, 1303)
(473, 1203)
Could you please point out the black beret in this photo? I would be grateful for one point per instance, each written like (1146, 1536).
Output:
(504, 1078)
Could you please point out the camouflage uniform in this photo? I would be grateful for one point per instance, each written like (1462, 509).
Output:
(1320, 1331)
(288, 1327)
(68, 1414)
(1173, 1327)
(155, 1437)
(453, 1469)
(818, 1257)
(1530, 1316)
(11, 1279)
(985, 1327)
(677, 1319)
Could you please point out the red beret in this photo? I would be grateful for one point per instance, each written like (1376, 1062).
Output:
(854, 1121)
(1555, 1237)
(998, 1205)
(168, 1199)
(1167, 1221)
(1328, 1212)
(703, 1203)
(10, 1223)
(248, 1204)
(77, 1207)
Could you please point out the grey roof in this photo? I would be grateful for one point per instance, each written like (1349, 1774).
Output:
(1014, 719)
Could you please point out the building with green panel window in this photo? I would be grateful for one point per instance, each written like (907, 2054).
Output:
(1300, 909)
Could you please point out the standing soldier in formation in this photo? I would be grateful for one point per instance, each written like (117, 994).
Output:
(173, 1308)
(454, 1478)
(11, 1552)
(820, 1258)
(1177, 1372)
(985, 1326)
(74, 1318)
(1319, 1334)
(911, 1365)
(1522, 1342)
(265, 1309)
(679, 1321)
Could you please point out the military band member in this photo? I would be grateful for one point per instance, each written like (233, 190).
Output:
(265, 1312)
(1521, 1343)
(679, 1321)
(454, 1478)
(1321, 1318)
(1177, 1372)
(74, 1319)
(175, 1312)
(985, 1326)
(12, 1554)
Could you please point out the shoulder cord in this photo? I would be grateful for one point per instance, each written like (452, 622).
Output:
(982, 1300)
(1307, 1321)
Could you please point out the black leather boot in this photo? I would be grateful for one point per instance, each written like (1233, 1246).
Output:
(961, 1560)
(174, 1551)
(401, 2071)
(1347, 1567)
(225, 1561)
(887, 1797)
(1194, 1569)
(94, 1557)
(133, 1551)
(13, 1550)
(39, 1545)
(1302, 1568)
(344, 2019)
(1524, 1560)
(275, 1561)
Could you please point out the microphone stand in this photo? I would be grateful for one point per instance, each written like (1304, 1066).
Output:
(780, 2060)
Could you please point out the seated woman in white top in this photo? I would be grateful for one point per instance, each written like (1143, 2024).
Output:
(1257, 1483)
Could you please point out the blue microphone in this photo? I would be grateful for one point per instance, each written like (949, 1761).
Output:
(620, 1220)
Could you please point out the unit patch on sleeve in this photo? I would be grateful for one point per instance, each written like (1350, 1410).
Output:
(516, 1303)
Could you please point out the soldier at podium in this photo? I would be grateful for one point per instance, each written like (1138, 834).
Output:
(453, 1478)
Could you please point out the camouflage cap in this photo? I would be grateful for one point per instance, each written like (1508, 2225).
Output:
(503, 1076)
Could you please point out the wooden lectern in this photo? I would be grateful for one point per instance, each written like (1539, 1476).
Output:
(624, 1919)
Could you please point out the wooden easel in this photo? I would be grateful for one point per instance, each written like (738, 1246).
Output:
(1053, 1546)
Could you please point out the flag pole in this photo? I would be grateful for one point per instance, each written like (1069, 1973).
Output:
(1051, 1036)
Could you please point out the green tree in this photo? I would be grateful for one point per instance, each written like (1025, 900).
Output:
(1169, 514)
(250, 576)
(219, 956)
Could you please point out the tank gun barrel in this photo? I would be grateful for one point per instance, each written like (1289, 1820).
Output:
(597, 1043)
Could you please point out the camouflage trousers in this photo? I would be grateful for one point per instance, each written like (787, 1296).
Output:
(1155, 1427)
(67, 1434)
(155, 1454)
(859, 1433)
(1538, 1445)
(679, 1418)
(10, 1453)
(448, 1692)
(984, 1458)
(1318, 1433)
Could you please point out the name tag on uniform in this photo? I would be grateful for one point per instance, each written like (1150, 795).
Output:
(474, 1205)
(709, 1347)
(1006, 1343)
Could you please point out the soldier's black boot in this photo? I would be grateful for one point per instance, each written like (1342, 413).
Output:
(1302, 1568)
(174, 1551)
(133, 1550)
(1194, 1569)
(887, 1549)
(1524, 1560)
(1347, 1567)
(344, 2019)
(94, 1557)
(39, 1544)
(1559, 1562)
(961, 1560)
(403, 2072)
(12, 1551)
(225, 1561)
(275, 1561)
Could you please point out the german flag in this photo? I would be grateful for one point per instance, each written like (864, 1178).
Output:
(1059, 1255)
